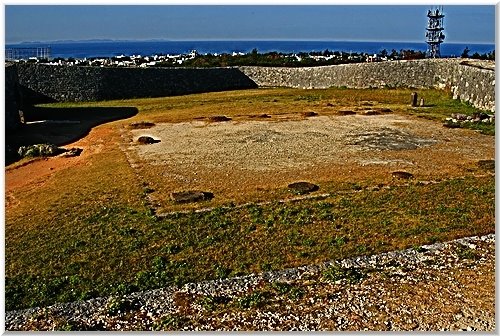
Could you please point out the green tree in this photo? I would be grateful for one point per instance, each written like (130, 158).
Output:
(465, 53)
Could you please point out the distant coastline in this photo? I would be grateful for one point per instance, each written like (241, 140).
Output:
(109, 48)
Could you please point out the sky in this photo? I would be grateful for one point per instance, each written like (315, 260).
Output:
(337, 22)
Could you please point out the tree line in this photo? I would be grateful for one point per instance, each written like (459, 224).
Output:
(279, 59)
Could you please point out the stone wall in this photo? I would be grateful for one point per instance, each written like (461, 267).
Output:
(157, 82)
(12, 118)
(360, 75)
(41, 83)
(473, 85)
(45, 83)
(468, 83)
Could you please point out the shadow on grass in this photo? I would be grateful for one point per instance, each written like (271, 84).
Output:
(60, 126)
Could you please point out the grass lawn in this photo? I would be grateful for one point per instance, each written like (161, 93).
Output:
(88, 231)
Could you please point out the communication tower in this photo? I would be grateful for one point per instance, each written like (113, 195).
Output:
(434, 35)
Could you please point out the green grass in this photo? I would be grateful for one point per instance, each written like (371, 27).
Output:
(439, 106)
(88, 231)
(383, 221)
(348, 275)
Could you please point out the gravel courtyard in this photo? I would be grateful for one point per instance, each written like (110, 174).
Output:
(245, 160)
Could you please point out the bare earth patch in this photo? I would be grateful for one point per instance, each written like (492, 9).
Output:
(240, 161)
(41, 170)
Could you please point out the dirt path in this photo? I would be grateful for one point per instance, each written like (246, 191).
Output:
(35, 173)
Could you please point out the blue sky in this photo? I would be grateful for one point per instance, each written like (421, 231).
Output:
(463, 23)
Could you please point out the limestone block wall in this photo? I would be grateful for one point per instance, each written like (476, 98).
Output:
(468, 83)
(361, 75)
(40, 83)
(157, 82)
(46, 83)
(473, 85)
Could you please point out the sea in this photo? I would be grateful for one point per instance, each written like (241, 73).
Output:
(111, 48)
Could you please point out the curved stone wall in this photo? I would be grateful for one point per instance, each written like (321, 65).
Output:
(468, 83)
(361, 75)
(44, 83)
(40, 83)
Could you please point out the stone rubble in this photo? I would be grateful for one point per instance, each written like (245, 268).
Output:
(420, 288)
(457, 120)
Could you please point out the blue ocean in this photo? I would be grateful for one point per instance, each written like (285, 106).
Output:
(87, 49)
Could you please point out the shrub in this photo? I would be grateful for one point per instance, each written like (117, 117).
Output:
(117, 305)
(336, 273)
(39, 150)
(253, 300)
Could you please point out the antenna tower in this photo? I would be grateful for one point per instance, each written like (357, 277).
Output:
(435, 35)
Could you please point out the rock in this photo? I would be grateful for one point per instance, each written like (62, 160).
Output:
(414, 99)
(39, 150)
(260, 116)
(218, 118)
(146, 140)
(385, 110)
(302, 187)
(486, 164)
(459, 116)
(481, 115)
(141, 125)
(402, 175)
(191, 196)
(370, 112)
(309, 114)
(451, 123)
(346, 112)
(72, 152)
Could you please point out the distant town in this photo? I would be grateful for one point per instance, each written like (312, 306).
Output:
(195, 59)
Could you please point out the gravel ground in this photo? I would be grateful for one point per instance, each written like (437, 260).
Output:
(299, 144)
(444, 286)
(246, 161)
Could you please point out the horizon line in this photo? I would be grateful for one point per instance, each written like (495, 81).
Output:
(103, 40)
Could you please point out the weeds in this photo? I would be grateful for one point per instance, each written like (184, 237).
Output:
(211, 303)
(349, 275)
(291, 291)
(171, 322)
(253, 300)
(116, 306)
(309, 98)
(337, 241)
(464, 252)
(222, 272)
